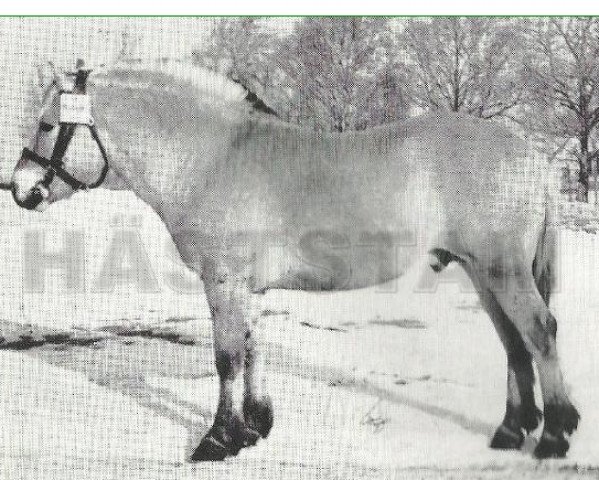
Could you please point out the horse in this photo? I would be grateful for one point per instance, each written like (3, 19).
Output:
(254, 203)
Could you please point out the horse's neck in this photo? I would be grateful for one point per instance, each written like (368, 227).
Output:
(160, 148)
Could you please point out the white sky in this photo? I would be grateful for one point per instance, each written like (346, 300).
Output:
(305, 7)
(99, 39)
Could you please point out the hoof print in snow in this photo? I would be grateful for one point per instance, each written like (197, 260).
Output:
(57, 337)
(407, 323)
(272, 313)
(22, 342)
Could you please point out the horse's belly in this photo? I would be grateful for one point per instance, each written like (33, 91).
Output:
(327, 260)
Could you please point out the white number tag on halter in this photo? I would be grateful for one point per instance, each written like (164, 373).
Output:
(75, 108)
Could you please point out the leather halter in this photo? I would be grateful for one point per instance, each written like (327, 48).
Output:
(55, 165)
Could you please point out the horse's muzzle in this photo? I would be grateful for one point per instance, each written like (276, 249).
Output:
(32, 200)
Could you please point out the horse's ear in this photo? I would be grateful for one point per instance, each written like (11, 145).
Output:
(46, 75)
(81, 79)
(81, 75)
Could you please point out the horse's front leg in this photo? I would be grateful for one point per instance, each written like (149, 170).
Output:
(257, 406)
(230, 303)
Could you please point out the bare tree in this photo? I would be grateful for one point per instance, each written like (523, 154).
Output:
(563, 73)
(240, 48)
(463, 64)
(333, 73)
(243, 49)
(337, 73)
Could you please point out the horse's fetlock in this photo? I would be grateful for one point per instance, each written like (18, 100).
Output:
(561, 417)
(530, 418)
(258, 414)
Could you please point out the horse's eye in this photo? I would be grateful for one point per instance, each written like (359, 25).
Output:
(46, 127)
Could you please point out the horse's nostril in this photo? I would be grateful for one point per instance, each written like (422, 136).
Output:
(32, 200)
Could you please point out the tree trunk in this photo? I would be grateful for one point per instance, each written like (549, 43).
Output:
(584, 169)
(455, 106)
(583, 181)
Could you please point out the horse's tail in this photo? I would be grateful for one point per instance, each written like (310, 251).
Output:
(544, 264)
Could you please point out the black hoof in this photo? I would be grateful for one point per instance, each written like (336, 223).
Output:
(551, 446)
(225, 440)
(507, 439)
(258, 415)
(209, 450)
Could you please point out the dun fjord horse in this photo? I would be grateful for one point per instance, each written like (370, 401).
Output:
(254, 204)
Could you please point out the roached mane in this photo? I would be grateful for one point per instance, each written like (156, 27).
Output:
(202, 83)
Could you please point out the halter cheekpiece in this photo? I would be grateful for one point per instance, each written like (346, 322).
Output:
(55, 165)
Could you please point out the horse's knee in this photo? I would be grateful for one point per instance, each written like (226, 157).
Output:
(537, 339)
(539, 332)
(228, 363)
(544, 326)
(250, 347)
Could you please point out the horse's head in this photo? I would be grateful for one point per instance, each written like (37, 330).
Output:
(43, 174)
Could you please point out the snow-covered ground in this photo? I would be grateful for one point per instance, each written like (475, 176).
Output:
(116, 379)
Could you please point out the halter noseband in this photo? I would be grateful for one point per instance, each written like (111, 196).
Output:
(55, 165)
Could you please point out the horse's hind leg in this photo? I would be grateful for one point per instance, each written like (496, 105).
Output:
(512, 283)
(230, 305)
(521, 413)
